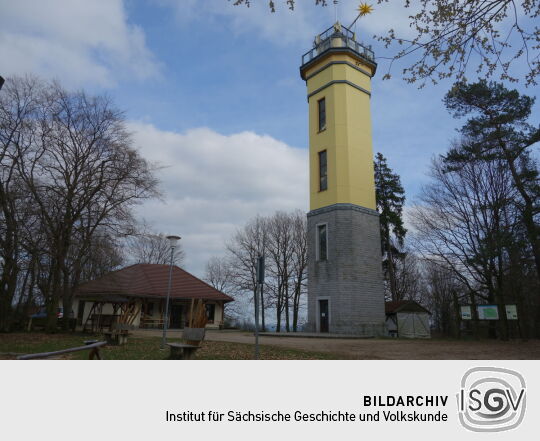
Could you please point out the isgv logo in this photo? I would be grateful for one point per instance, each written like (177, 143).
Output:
(491, 399)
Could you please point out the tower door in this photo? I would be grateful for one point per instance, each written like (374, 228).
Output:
(323, 315)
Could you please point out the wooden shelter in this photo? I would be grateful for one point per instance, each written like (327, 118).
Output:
(135, 296)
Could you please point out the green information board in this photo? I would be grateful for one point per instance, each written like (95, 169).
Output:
(488, 312)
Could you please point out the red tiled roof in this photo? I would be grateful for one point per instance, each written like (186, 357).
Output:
(150, 280)
(403, 305)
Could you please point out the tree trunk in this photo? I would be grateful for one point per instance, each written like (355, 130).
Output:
(474, 313)
(391, 272)
(296, 307)
(457, 312)
(22, 289)
(29, 297)
(8, 285)
(287, 320)
(53, 299)
(263, 323)
(6, 309)
(279, 307)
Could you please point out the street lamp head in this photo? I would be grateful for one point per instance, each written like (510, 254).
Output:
(173, 240)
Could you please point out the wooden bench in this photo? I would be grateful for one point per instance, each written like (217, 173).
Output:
(118, 333)
(186, 351)
(91, 345)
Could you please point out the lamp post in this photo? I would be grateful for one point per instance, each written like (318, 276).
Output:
(172, 241)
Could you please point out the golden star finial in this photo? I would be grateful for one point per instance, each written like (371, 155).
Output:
(365, 9)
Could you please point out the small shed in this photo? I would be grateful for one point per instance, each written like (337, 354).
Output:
(408, 319)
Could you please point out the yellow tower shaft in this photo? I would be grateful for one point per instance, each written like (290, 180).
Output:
(344, 81)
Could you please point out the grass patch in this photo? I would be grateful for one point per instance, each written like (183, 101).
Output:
(144, 348)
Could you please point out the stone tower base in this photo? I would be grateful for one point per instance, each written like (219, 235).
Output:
(350, 282)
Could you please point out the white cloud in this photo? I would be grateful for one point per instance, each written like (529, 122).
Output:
(214, 184)
(81, 42)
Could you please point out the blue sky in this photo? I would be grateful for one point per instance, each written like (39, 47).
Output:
(212, 93)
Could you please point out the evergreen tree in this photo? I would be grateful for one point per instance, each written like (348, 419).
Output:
(390, 197)
(498, 129)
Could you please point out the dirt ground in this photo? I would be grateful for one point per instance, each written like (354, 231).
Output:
(386, 349)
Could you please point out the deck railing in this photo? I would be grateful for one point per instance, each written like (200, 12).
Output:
(342, 38)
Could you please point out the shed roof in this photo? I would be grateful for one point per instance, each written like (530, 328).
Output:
(150, 281)
(404, 306)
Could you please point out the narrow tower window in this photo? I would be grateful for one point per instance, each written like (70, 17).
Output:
(322, 114)
(322, 239)
(323, 178)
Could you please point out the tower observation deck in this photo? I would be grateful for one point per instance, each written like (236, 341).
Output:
(336, 39)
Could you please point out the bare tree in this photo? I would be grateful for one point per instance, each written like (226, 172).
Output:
(280, 256)
(19, 107)
(81, 175)
(247, 244)
(220, 275)
(449, 36)
(442, 291)
(272, 3)
(299, 263)
(282, 239)
(467, 221)
(153, 248)
(408, 277)
(105, 254)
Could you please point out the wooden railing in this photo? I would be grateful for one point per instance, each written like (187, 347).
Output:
(152, 323)
(93, 347)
